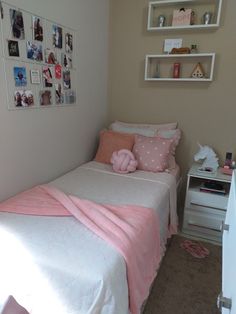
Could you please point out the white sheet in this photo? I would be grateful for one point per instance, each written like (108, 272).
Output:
(55, 265)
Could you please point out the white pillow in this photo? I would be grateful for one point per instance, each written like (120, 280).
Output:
(140, 128)
(176, 134)
(132, 130)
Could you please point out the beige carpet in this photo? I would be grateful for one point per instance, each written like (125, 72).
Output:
(186, 285)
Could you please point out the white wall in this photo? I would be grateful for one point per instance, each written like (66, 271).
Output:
(37, 145)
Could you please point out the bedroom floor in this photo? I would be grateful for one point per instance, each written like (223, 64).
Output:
(186, 285)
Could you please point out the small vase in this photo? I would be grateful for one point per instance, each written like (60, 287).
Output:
(193, 49)
(207, 18)
(161, 21)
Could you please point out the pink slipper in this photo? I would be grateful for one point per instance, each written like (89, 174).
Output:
(12, 307)
(195, 249)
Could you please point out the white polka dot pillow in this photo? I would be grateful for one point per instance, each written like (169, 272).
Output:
(152, 153)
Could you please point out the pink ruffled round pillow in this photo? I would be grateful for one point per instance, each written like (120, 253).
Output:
(123, 161)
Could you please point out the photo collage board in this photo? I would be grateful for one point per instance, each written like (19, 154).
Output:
(38, 59)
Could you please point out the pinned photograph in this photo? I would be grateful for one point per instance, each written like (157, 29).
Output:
(57, 70)
(70, 97)
(58, 93)
(35, 77)
(57, 36)
(45, 98)
(17, 24)
(66, 79)
(34, 51)
(66, 60)
(50, 56)
(23, 98)
(69, 42)
(37, 28)
(20, 76)
(13, 48)
(47, 76)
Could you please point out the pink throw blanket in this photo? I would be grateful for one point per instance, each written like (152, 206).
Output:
(132, 230)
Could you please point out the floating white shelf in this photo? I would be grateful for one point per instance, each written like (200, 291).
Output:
(160, 67)
(166, 8)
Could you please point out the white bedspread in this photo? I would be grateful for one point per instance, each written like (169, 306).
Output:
(54, 265)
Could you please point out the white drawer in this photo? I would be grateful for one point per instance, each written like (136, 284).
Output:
(203, 223)
(196, 199)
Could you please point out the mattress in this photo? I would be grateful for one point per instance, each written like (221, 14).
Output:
(56, 265)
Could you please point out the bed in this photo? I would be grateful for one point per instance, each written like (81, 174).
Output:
(57, 265)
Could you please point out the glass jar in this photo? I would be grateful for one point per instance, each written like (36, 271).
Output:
(193, 49)
(161, 21)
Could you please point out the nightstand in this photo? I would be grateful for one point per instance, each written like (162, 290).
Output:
(205, 210)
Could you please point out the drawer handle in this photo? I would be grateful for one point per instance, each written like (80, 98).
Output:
(205, 205)
(201, 226)
(224, 227)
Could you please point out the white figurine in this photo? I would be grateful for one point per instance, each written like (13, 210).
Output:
(211, 160)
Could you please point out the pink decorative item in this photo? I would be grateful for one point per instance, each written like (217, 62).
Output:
(183, 17)
(227, 171)
(12, 307)
(176, 70)
(175, 135)
(152, 153)
(123, 161)
(195, 249)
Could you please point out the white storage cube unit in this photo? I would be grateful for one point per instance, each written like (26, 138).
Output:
(204, 210)
(167, 7)
(160, 67)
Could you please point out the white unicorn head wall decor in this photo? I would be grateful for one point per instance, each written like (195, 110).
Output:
(210, 164)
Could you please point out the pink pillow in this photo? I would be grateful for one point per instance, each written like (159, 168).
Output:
(175, 135)
(123, 161)
(152, 153)
(111, 141)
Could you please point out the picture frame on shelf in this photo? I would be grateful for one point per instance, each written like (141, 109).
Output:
(169, 44)
(183, 17)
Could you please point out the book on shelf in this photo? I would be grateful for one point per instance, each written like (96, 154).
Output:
(212, 190)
